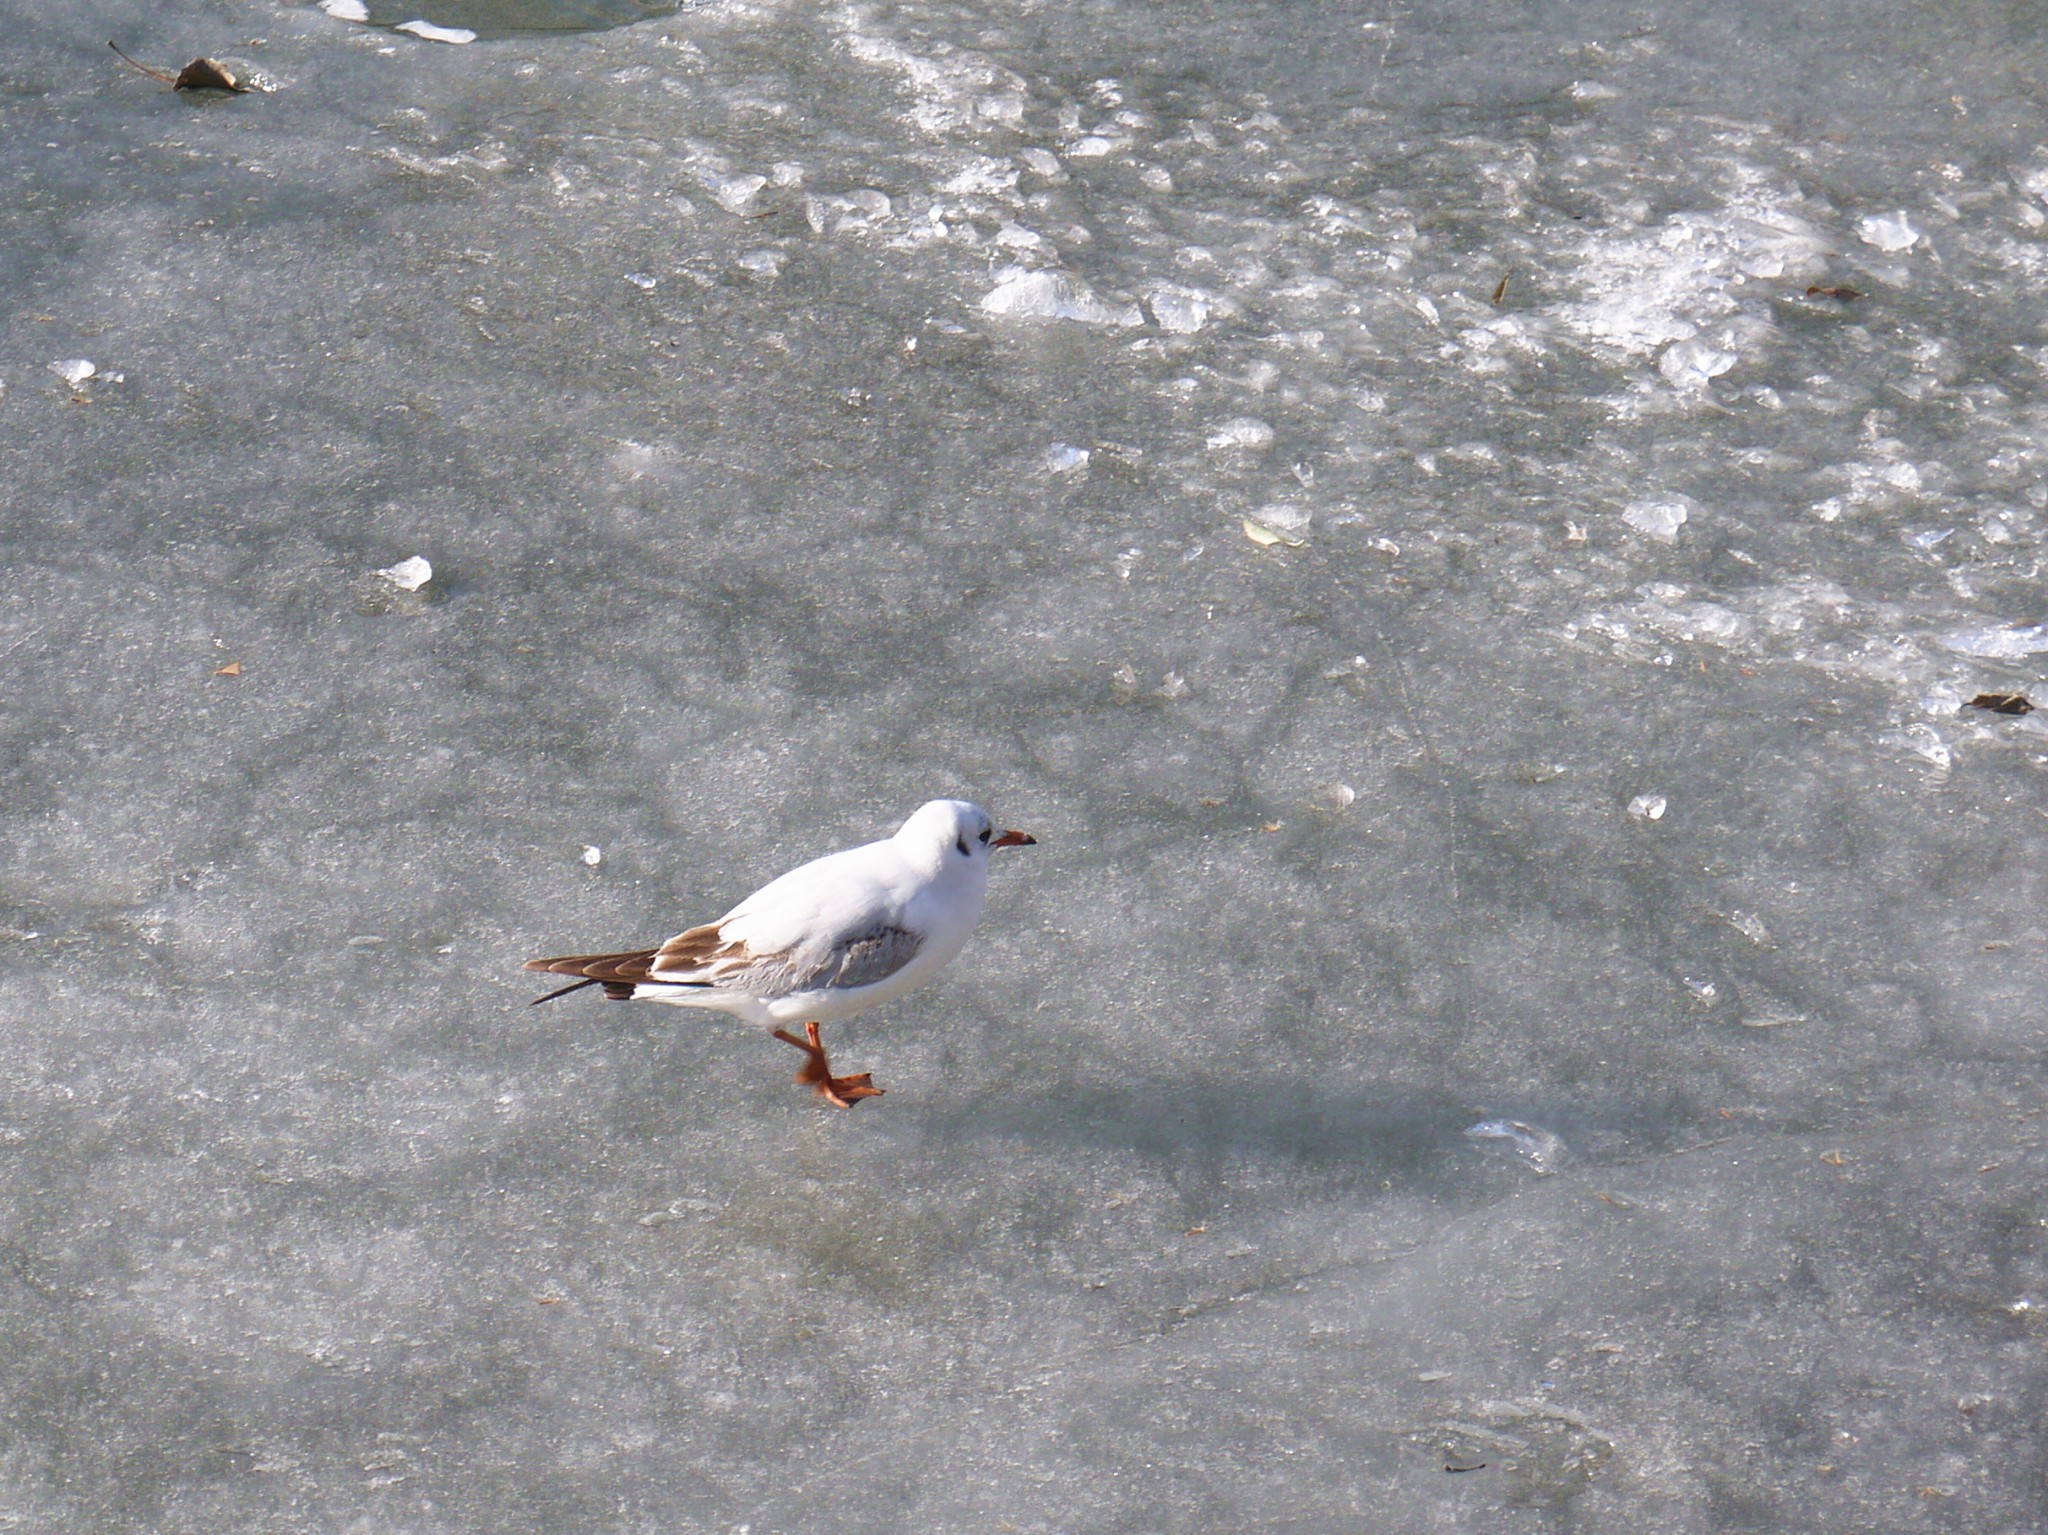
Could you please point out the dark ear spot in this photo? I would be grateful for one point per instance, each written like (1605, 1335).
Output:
(961, 843)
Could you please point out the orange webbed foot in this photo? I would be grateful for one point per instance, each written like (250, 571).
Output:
(844, 1092)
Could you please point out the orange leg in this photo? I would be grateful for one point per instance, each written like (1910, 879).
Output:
(817, 1072)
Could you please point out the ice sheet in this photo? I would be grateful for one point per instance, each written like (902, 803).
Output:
(752, 526)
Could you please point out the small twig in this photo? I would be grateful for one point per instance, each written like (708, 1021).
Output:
(139, 68)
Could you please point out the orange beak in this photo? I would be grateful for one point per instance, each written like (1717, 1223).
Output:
(1014, 839)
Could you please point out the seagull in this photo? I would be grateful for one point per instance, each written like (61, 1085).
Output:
(829, 939)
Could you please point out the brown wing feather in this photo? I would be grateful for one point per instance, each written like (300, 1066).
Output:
(688, 951)
(632, 965)
(694, 949)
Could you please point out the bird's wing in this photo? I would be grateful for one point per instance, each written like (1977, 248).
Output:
(701, 957)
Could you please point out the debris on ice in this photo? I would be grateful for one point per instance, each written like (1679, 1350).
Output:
(434, 34)
(408, 575)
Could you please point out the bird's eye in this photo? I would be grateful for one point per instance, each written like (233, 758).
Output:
(984, 834)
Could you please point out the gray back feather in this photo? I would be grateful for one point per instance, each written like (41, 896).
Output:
(874, 956)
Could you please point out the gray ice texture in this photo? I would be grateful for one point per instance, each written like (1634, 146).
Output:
(1467, 530)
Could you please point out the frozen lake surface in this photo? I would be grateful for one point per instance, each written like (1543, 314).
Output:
(1468, 532)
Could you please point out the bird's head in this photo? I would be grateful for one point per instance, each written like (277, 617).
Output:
(947, 831)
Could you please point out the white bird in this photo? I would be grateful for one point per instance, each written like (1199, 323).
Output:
(829, 939)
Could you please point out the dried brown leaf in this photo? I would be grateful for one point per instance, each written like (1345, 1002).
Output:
(208, 75)
(2002, 703)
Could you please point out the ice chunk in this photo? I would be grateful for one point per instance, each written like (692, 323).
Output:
(1244, 433)
(765, 262)
(1888, 231)
(982, 176)
(1658, 517)
(73, 370)
(679, 1210)
(1648, 807)
(852, 212)
(1015, 237)
(346, 10)
(1056, 296)
(593, 855)
(1925, 742)
(732, 193)
(1266, 537)
(1751, 927)
(1041, 162)
(2005, 644)
(408, 575)
(643, 280)
(1689, 364)
(1178, 310)
(434, 34)
(1541, 1149)
(1286, 519)
(1065, 458)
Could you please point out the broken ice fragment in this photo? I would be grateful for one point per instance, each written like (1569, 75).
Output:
(1291, 522)
(1336, 796)
(1751, 927)
(1065, 458)
(2005, 644)
(1541, 1149)
(642, 280)
(1689, 364)
(1056, 296)
(733, 193)
(1659, 519)
(1924, 741)
(593, 854)
(1179, 310)
(346, 10)
(408, 575)
(678, 1210)
(1266, 537)
(1648, 807)
(1241, 433)
(73, 370)
(434, 34)
(1888, 231)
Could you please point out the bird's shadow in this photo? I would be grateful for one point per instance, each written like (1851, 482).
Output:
(1392, 1134)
